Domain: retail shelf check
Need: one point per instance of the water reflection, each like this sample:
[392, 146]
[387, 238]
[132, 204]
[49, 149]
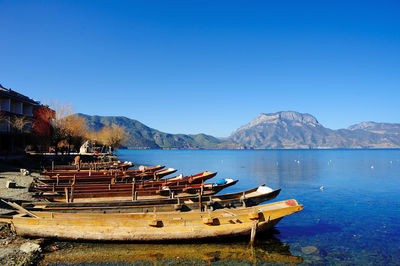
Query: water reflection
[352, 220]
[275, 167]
[280, 168]
[267, 249]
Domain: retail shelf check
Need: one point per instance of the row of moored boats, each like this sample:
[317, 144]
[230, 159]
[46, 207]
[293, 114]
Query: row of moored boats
[109, 201]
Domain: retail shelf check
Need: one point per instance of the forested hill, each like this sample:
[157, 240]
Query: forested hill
[144, 137]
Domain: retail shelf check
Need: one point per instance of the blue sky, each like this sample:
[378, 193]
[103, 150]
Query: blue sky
[206, 66]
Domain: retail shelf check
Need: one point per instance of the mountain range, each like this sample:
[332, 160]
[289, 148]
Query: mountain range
[281, 130]
[293, 130]
[144, 137]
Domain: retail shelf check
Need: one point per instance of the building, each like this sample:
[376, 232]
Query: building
[14, 105]
[23, 123]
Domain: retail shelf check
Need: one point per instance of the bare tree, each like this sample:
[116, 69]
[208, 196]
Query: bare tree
[68, 128]
[110, 136]
[19, 123]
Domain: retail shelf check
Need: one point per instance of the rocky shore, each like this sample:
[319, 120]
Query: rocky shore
[15, 177]
[14, 184]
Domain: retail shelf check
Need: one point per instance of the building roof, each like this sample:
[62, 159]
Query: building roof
[15, 95]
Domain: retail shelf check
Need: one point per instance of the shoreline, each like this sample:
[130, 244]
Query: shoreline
[16, 250]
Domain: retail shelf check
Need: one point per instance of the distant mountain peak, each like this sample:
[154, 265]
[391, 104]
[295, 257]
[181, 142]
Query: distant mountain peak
[379, 128]
[279, 117]
[296, 116]
[363, 125]
[294, 130]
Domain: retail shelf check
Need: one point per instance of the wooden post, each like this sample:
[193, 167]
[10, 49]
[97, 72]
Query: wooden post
[253, 233]
[201, 194]
[133, 189]
[72, 194]
[66, 195]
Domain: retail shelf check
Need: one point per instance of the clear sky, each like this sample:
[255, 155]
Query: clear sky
[206, 66]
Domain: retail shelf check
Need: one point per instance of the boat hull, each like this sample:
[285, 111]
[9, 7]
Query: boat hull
[154, 226]
[246, 198]
[126, 194]
[40, 186]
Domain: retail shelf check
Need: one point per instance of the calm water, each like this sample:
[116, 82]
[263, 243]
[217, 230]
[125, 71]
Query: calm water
[351, 209]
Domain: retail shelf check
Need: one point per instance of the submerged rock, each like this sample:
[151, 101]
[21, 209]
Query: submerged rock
[310, 250]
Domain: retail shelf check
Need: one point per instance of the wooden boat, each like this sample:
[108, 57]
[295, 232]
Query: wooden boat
[93, 172]
[43, 184]
[133, 192]
[93, 165]
[108, 177]
[248, 198]
[152, 226]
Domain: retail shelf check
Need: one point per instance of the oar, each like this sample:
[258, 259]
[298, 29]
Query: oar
[20, 209]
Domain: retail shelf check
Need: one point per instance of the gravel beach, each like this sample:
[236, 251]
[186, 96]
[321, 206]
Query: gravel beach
[20, 192]
[15, 250]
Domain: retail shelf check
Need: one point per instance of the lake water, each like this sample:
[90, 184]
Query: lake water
[351, 209]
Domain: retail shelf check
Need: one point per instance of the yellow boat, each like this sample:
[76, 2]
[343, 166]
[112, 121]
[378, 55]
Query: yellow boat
[152, 226]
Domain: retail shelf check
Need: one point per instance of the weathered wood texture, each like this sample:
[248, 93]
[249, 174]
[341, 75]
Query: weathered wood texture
[248, 198]
[154, 226]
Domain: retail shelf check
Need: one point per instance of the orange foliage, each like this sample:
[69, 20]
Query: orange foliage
[109, 136]
[43, 118]
[73, 126]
